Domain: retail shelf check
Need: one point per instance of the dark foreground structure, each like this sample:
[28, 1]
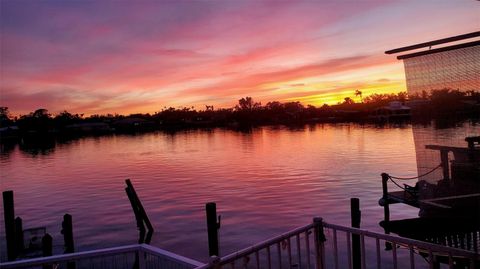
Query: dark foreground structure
[447, 192]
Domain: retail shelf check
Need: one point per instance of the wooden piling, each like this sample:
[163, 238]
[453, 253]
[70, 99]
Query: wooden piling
[355, 215]
[47, 248]
[9, 217]
[140, 215]
[19, 235]
[67, 231]
[141, 209]
[212, 228]
[386, 206]
[320, 238]
[138, 218]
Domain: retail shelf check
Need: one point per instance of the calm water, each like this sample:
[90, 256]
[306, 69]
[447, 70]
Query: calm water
[264, 182]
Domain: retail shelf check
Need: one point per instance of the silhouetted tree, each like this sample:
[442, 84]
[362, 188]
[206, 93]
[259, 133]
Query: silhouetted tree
[359, 93]
[66, 118]
[5, 117]
[348, 101]
[247, 103]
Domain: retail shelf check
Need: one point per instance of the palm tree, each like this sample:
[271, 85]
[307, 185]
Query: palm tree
[359, 93]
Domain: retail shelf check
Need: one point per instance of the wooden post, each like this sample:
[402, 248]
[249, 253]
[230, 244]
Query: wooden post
[355, 215]
[140, 214]
[19, 235]
[138, 218]
[319, 240]
[386, 207]
[444, 160]
[212, 228]
[67, 231]
[9, 217]
[385, 178]
[47, 248]
[384, 201]
[141, 210]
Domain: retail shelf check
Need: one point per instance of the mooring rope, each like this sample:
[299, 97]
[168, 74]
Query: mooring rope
[409, 178]
[403, 188]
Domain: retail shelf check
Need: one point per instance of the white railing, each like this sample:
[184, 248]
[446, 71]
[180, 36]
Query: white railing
[298, 248]
[399, 252]
[132, 256]
[322, 245]
[318, 245]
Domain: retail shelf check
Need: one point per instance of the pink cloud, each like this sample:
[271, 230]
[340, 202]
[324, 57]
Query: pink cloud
[178, 52]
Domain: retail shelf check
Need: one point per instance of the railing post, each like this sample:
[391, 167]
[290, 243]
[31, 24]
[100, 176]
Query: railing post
[212, 229]
[319, 240]
[355, 215]
[214, 262]
[141, 259]
[9, 217]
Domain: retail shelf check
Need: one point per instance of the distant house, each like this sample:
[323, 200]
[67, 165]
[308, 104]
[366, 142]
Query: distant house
[133, 124]
[395, 110]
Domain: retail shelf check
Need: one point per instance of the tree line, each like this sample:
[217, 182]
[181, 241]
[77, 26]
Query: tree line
[247, 112]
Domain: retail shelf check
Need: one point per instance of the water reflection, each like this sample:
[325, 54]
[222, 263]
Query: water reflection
[265, 181]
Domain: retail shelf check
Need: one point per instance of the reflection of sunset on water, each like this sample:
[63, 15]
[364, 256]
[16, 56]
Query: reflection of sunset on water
[257, 178]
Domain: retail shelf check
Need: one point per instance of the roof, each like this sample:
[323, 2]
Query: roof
[443, 41]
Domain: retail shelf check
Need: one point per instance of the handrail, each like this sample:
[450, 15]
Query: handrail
[71, 256]
[170, 255]
[402, 240]
[101, 253]
[249, 250]
[430, 248]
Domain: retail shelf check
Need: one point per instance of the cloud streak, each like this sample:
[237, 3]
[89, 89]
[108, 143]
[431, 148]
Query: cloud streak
[118, 57]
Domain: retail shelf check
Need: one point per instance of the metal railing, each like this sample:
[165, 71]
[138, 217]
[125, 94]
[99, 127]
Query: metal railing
[323, 245]
[318, 245]
[131, 256]
[398, 252]
[298, 248]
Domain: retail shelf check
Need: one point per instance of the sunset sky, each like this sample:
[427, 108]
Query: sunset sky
[98, 57]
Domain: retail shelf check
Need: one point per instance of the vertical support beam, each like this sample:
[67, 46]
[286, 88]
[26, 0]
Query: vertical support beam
[19, 235]
[9, 217]
[355, 215]
[67, 231]
[212, 229]
[444, 160]
[319, 243]
[47, 248]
